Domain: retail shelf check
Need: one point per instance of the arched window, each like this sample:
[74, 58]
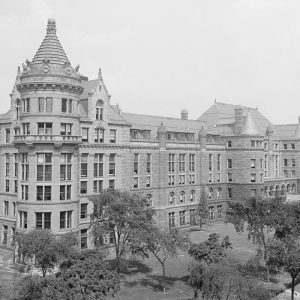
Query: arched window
[288, 188]
[266, 191]
[149, 200]
[219, 193]
[192, 196]
[293, 188]
[182, 197]
[171, 198]
[283, 190]
[210, 193]
[271, 191]
[99, 110]
[18, 108]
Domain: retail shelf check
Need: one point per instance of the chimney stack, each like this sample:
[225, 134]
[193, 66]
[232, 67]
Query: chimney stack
[184, 114]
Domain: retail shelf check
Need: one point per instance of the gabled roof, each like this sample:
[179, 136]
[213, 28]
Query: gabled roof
[88, 86]
[223, 114]
[153, 122]
[115, 117]
[51, 48]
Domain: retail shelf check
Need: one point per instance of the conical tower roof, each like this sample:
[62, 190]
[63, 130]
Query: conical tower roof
[249, 126]
[51, 48]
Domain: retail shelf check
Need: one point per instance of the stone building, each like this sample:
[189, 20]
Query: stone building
[62, 140]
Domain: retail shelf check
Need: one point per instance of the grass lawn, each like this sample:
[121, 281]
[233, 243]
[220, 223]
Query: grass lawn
[144, 277]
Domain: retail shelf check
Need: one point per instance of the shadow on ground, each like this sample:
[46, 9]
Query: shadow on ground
[156, 282]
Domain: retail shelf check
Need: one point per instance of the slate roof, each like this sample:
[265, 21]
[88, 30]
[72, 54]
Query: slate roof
[88, 86]
[140, 121]
[288, 131]
[115, 117]
[222, 115]
[51, 48]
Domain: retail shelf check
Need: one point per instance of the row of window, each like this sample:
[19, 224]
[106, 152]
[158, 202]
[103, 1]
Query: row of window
[136, 168]
[182, 197]
[182, 163]
[183, 217]
[181, 179]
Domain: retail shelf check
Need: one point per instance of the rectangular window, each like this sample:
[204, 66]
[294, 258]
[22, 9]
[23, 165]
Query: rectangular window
[66, 105]
[112, 164]
[252, 163]
[65, 192]
[44, 166]
[15, 186]
[171, 162]
[293, 162]
[220, 211]
[136, 163]
[172, 219]
[253, 194]
[111, 184]
[293, 146]
[219, 162]
[229, 177]
[85, 135]
[171, 179]
[26, 128]
[6, 208]
[293, 173]
[182, 217]
[285, 146]
[84, 165]
[26, 105]
[7, 185]
[83, 187]
[285, 162]
[83, 238]
[210, 177]
[65, 129]
[148, 163]
[191, 178]
[45, 128]
[210, 162]
[112, 135]
[135, 182]
[65, 166]
[98, 186]
[98, 165]
[24, 189]
[99, 113]
[45, 104]
[229, 193]
[253, 177]
[192, 163]
[181, 179]
[25, 166]
[148, 181]
[65, 219]
[229, 144]
[285, 173]
[23, 219]
[229, 163]
[99, 136]
[211, 213]
[252, 143]
[43, 220]
[16, 162]
[7, 164]
[218, 177]
[7, 136]
[83, 211]
[181, 162]
[43, 193]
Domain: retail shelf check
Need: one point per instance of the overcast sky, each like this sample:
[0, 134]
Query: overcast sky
[159, 56]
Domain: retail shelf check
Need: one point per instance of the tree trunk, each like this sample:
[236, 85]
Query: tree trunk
[163, 269]
[293, 287]
[268, 273]
[195, 294]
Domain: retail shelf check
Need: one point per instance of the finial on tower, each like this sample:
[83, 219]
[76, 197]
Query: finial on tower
[51, 27]
[100, 74]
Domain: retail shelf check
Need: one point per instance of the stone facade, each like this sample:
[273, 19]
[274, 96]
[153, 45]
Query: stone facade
[62, 141]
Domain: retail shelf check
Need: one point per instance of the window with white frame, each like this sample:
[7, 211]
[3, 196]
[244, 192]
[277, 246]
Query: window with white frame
[43, 220]
[65, 166]
[43, 193]
[98, 164]
[66, 105]
[44, 166]
[65, 219]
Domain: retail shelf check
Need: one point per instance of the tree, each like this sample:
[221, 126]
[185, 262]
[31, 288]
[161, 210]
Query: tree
[42, 247]
[122, 215]
[259, 217]
[285, 255]
[84, 276]
[213, 250]
[162, 243]
[210, 251]
[201, 212]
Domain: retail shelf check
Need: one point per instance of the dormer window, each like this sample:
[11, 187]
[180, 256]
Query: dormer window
[99, 110]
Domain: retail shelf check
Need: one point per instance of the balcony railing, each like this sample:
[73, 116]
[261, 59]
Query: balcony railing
[47, 138]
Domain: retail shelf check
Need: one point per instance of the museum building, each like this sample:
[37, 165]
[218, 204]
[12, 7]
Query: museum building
[62, 141]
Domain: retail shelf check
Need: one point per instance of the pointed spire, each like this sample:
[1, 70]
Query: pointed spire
[249, 127]
[100, 74]
[51, 50]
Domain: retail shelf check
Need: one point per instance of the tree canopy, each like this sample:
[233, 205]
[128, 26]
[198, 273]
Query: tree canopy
[121, 215]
